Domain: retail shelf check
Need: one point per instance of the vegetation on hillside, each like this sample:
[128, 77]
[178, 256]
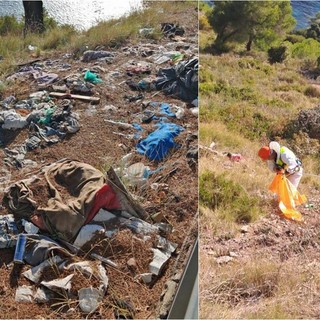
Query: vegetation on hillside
[249, 98]
[111, 33]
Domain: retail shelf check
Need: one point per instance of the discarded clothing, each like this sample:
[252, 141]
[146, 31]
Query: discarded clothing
[180, 81]
[8, 230]
[288, 197]
[157, 145]
[39, 248]
[15, 157]
[12, 120]
[44, 79]
[7, 102]
[94, 55]
[71, 188]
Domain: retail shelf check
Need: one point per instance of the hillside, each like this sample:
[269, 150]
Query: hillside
[109, 118]
[253, 262]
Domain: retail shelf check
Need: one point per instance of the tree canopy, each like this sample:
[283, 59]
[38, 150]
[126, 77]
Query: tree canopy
[259, 22]
[314, 30]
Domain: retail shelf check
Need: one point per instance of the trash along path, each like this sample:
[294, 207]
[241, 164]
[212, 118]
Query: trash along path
[99, 179]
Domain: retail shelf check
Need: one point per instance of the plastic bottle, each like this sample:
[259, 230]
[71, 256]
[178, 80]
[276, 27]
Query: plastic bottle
[20, 248]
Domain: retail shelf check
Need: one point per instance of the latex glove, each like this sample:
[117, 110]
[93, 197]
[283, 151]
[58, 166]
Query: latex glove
[279, 171]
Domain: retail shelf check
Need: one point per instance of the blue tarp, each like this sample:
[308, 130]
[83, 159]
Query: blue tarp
[158, 143]
[165, 109]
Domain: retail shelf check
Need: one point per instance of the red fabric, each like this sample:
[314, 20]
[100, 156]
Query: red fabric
[105, 198]
[264, 153]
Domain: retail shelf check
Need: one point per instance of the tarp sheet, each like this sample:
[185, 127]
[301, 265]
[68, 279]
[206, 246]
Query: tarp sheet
[75, 191]
[159, 142]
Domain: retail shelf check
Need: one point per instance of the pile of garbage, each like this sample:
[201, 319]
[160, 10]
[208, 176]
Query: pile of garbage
[53, 232]
[74, 225]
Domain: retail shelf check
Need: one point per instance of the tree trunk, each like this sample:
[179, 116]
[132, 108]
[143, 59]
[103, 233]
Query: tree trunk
[33, 17]
[248, 46]
[249, 43]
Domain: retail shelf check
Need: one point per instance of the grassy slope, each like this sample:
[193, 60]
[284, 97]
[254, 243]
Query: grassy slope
[245, 102]
[114, 33]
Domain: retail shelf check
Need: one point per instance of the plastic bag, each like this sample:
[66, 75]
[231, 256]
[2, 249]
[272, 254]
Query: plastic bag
[92, 77]
[288, 197]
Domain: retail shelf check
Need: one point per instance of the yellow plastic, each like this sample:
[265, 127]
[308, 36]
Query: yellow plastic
[288, 197]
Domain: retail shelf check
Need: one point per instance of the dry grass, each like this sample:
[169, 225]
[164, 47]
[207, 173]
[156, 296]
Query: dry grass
[246, 103]
[259, 289]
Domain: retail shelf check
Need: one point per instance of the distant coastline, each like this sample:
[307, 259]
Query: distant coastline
[81, 14]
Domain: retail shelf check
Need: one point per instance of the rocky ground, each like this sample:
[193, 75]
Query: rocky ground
[268, 269]
[102, 144]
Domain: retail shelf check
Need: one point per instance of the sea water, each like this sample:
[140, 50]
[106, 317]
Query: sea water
[82, 14]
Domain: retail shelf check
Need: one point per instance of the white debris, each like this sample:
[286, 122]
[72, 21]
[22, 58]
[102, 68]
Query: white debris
[24, 294]
[224, 259]
[89, 299]
[43, 295]
[86, 233]
[159, 260]
[145, 277]
[35, 273]
[64, 283]
[29, 227]
[103, 216]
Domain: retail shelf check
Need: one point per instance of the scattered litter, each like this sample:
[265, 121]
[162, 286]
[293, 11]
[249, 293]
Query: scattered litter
[158, 144]
[158, 262]
[92, 77]
[11, 120]
[24, 294]
[235, 157]
[43, 295]
[56, 285]
[146, 31]
[94, 55]
[109, 108]
[223, 259]
[171, 29]
[20, 249]
[8, 231]
[103, 216]
[180, 80]
[89, 299]
[195, 111]
[35, 273]
[145, 277]
[86, 233]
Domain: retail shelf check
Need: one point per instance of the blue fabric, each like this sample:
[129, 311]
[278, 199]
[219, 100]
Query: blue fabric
[159, 142]
[137, 126]
[165, 109]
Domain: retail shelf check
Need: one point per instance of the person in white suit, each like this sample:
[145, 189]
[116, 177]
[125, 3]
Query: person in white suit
[283, 161]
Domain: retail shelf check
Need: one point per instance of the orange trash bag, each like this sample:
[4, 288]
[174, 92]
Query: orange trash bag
[288, 197]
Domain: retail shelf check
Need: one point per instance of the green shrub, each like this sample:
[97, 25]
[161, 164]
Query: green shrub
[216, 191]
[204, 23]
[10, 25]
[277, 54]
[206, 87]
[312, 92]
[294, 38]
[309, 48]
[58, 37]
